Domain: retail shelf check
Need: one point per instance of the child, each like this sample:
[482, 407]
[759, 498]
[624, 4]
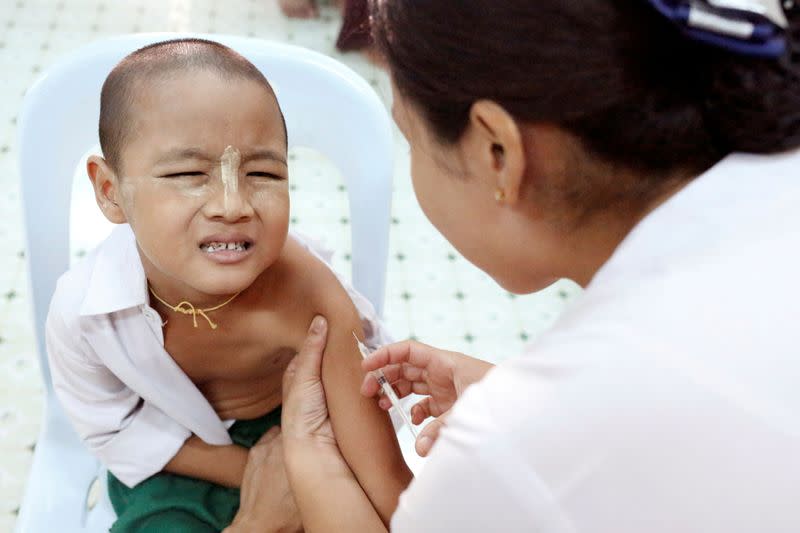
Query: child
[168, 343]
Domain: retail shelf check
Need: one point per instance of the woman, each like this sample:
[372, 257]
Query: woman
[650, 156]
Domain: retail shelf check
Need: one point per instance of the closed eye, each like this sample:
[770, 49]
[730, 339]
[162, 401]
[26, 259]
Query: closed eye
[182, 174]
[265, 175]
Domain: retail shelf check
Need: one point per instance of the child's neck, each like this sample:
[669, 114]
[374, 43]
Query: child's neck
[167, 293]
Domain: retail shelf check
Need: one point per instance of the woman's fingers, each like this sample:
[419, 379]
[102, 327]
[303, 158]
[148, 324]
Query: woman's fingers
[398, 371]
[420, 387]
[304, 415]
[427, 437]
[307, 364]
[412, 352]
[370, 386]
[310, 360]
[402, 387]
[396, 374]
[420, 411]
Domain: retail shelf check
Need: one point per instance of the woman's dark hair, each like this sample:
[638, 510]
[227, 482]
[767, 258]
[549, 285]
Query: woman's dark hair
[614, 73]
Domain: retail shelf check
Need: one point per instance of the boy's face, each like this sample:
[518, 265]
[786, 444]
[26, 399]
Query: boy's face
[204, 183]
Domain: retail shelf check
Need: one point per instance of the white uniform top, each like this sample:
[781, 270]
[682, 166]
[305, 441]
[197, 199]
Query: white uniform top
[127, 398]
[666, 401]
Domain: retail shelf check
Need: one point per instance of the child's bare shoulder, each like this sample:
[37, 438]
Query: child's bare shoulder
[318, 287]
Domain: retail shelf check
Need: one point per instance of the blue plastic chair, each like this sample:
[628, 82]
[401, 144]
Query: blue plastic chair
[328, 108]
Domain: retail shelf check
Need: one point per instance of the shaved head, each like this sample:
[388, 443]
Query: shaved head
[152, 64]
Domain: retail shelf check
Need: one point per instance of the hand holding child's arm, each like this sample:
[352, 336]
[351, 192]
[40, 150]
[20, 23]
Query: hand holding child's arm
[327, 492]
[364, 433]
[266, 501]
[223, 465]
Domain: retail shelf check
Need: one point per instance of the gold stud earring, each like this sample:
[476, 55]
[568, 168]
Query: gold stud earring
[499, 194]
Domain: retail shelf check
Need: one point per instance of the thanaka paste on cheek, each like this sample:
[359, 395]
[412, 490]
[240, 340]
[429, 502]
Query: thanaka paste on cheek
[229, 163]
[195, 190]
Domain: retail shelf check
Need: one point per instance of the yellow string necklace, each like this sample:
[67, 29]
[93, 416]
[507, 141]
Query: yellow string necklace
[187, 308]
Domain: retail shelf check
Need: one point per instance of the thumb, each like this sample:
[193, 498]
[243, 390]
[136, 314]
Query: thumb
[427, 437]
[308, 362]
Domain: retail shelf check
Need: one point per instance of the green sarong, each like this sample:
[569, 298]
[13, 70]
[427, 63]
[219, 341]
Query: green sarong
[169, 503]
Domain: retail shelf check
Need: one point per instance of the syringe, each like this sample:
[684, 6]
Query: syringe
[386, 387]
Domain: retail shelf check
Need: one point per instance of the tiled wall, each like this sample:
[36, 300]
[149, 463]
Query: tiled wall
[433, 294]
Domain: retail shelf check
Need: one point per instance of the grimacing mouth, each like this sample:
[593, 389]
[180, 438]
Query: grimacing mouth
[220, 246]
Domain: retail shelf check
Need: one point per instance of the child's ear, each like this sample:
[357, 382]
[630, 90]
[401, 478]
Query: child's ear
[106, 189]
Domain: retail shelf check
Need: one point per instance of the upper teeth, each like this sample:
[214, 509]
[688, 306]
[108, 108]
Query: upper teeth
[220, 246]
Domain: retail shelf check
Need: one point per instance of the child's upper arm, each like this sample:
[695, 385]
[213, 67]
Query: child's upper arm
[363, 431]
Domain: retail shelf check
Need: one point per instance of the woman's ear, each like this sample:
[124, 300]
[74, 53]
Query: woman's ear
[106, 189]
[496, 150]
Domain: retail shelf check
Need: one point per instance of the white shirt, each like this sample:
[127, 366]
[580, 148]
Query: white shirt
[126, 397]
[666, 401]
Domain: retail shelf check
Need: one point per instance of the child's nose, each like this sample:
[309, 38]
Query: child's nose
[229, 202]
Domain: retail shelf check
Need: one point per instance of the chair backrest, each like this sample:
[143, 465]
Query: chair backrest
[327, 107]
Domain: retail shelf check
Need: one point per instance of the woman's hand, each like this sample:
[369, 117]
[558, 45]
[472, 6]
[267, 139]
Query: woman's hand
[412, 367]
[304, 415]
[327, 492]
[266, 500]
